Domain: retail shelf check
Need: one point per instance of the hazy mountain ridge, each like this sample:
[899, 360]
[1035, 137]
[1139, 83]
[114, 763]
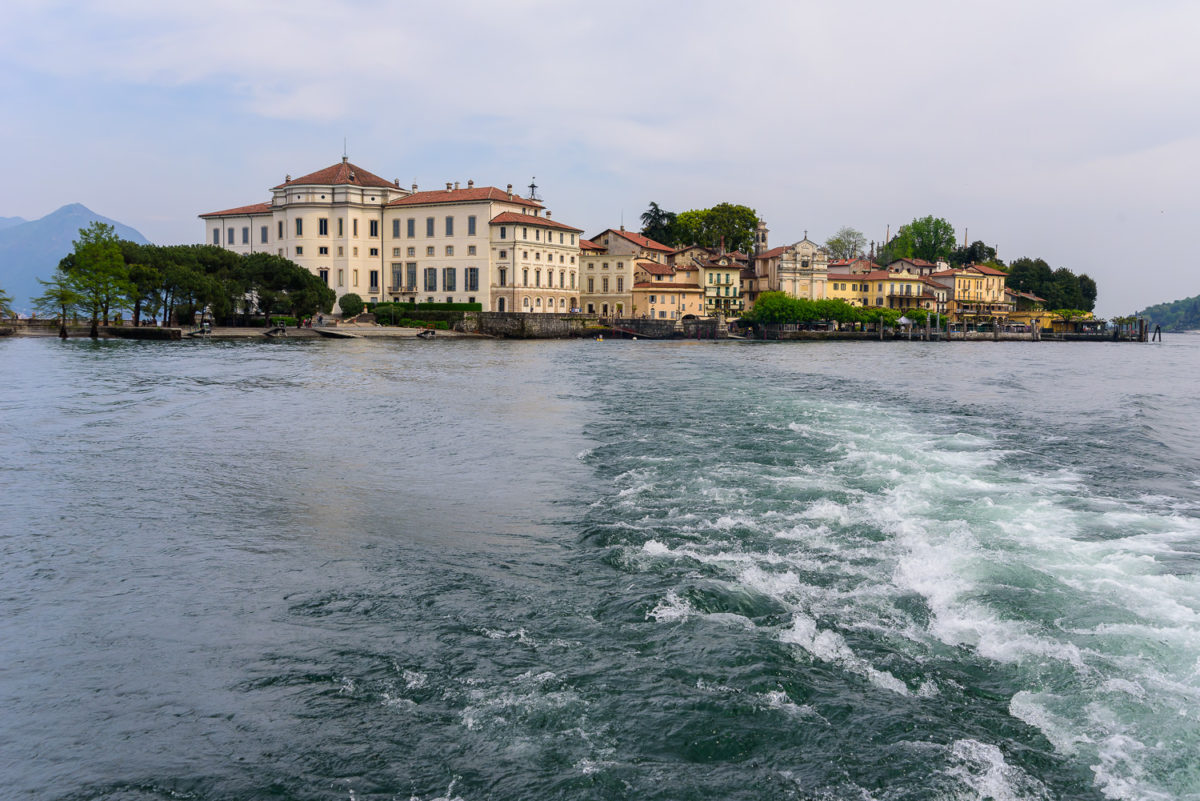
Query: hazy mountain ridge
[1178, 315]
[31, 249]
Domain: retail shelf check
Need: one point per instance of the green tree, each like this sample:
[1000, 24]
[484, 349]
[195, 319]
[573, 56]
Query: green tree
[691, 228]
[847, 243]
[352, 305]
[5, 304]
[734, 225]
[659, 224]
[929, 238]
[97, 272]
[1087, 292]
[58, 299]
[975, 253]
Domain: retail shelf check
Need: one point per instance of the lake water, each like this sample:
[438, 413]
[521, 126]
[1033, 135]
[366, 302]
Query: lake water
[602, 570]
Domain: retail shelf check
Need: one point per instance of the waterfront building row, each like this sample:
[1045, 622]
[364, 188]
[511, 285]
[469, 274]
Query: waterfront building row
[366, 235]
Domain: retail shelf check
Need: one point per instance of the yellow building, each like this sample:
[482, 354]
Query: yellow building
[882, 289]
[976, 293]
[720, 277]
[663, 293]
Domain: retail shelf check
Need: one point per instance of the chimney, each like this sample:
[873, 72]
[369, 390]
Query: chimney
[448, 184]
[510, 191]
[456, 184]
[470, 183]
[414, 187]
[622, 226]
[547, 214]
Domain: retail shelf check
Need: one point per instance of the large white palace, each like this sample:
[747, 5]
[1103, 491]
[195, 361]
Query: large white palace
[368, 236]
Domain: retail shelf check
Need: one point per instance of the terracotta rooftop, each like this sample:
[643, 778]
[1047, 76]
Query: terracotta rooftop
[637, 239]
[983, 268]
[773, 253]
[513, 218]
[474, 193]
[341, 173]
[253, 208]
[654, 268]
[587, 244]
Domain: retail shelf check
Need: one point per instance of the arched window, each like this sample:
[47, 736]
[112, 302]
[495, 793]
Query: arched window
[562, 303]
[525, 302]
[538, 303]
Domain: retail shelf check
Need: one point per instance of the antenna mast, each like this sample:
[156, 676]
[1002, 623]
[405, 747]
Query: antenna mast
[533, 195]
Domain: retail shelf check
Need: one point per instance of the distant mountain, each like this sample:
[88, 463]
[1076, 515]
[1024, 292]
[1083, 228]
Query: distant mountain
[1180, 315]
[30, 250]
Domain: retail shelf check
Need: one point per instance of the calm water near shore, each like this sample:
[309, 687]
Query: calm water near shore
[613, 570]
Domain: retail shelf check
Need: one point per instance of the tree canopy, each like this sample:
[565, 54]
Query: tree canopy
[929, 238]
[1179, 315]
[847, 243]
[104, 275]
[1061, 288]
[725, 222]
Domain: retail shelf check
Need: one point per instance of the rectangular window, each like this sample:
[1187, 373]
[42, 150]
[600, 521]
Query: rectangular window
[504, 254]
[503, 232]
[299, 250]
[323, 226]
[354, 226]
[429, 250]
[245, 235]
[341, 226]
[374, 251]
[429, 226]
[374, 280]
[395, 253]
[470, 250]
[410, 274]
[397, 269]
[354, 278]
[322, 251]
[412, 252]
[449, 226]
[503, 278]
[620, 283]
[591, 284]
[229, 236]
[472, 279]
[353, 251]
[341, 250]
[299, 226]
[341, 277]
[431, 278]
[471, 225]
[604, 284]
[537, 277]
[216, 236]
[395, 229]
[280, 227]
[324, 273]
[449, 279]
[412, 227]
[449, 250]
[373, 227]
[263, 234]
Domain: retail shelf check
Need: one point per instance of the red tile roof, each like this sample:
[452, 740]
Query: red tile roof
[587, 244]
[654, 268]
[241, 211]
[637, 239]
[983, 268]
[916, 262]
[513, 218]
[475, 193]
[338, 174]
[772, 253]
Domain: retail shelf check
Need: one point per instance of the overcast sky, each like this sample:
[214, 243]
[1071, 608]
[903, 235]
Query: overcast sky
[1066, 130]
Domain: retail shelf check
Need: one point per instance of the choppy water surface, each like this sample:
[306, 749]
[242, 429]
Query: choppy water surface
[626, 570]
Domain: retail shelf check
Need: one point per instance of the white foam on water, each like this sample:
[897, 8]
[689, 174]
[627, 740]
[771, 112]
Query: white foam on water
[671, 609]
[829, 646]
[983, 771]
